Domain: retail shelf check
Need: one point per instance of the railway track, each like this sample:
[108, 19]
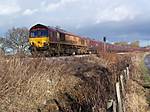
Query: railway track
[63, 57]
[45, 59]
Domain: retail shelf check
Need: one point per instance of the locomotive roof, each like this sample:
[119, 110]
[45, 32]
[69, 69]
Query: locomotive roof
[52, 28]
[39, 26]
[59, 30]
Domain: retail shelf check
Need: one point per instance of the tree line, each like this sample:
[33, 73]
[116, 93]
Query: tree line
[15, 41]
[132, 44]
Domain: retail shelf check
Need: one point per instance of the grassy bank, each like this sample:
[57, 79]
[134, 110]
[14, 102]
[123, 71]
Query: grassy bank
[146, 79]
[146, 73]
[137, 96]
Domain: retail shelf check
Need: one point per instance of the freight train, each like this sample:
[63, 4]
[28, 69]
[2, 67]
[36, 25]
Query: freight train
[53, 41]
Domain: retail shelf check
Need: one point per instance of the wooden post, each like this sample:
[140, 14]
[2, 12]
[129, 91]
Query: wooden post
[105, 50]
[109, 104]
[104, 46]
[125, 74]
[122, 85]
[128, 73]
[119, 97]
[114, 106]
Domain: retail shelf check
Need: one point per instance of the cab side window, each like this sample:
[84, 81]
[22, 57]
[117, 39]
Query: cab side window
[44, 33]
[62, 37]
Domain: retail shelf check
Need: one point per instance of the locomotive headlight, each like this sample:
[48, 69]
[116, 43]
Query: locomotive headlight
[45, 43]
[32, 43]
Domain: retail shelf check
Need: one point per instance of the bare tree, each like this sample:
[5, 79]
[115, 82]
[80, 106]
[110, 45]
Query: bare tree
[17, 40]
[2, 49]
[135, 44]
[121, 43]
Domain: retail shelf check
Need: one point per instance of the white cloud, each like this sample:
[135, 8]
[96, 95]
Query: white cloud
[61, 3]
[52, 7]
[7, 8]
[116, 14]
[30, 11]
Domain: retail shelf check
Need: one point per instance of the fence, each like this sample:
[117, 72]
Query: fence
[117, 105]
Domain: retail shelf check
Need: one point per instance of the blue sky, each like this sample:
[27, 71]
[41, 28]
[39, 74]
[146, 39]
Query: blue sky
[119, 20]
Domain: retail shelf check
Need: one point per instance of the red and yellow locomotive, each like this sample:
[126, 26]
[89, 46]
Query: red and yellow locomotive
[55, 41]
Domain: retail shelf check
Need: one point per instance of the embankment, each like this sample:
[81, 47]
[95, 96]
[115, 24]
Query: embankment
[70, 85]
[77, 84]
[136, 98]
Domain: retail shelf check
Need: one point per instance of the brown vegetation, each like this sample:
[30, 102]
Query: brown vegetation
[69, 85]
[135, 98]
[132, 44]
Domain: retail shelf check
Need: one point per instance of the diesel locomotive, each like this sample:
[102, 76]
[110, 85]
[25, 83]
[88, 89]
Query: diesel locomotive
[52, 41]
[55, 41]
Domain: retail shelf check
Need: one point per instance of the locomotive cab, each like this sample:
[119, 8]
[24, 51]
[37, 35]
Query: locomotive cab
[39, 37]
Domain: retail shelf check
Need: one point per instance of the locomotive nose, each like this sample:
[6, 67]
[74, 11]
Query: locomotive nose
[39, 42]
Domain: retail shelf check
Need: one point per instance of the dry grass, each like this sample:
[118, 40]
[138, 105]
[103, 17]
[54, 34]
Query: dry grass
[69, 85]
[27, 83]
[135, 98]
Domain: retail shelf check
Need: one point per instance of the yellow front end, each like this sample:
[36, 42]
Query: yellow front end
[39, 42]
